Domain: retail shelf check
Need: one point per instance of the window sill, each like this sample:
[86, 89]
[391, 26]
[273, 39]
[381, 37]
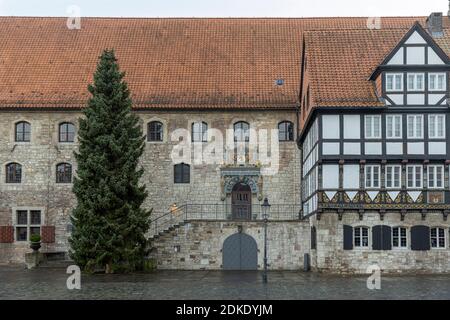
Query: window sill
[155, 142]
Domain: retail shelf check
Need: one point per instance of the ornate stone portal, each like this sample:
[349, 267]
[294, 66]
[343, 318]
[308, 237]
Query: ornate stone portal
[250, 176]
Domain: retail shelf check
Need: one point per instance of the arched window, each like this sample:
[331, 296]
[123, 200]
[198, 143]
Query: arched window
[182, 173]
[361, 237]
[13, 173]
[286, 131]
[64, 173]
[155, 131]
[241, 132]
[23, 132]
[199, 132]
[66, 132]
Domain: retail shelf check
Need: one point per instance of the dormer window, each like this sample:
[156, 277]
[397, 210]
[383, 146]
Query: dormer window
[394, 82]
[436, 81]
[416, 81]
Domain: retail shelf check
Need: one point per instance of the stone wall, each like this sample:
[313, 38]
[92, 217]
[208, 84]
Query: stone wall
[199, 244]
[205, 185]
[40, 157]
[331, 257]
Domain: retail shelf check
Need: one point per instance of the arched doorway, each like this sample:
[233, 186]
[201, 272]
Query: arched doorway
[240, 252]
[241, 202]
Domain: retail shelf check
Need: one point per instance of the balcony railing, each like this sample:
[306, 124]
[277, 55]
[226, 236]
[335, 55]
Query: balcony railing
[222, 212]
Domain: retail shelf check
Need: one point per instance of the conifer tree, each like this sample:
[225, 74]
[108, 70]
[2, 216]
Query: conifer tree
[109, 223]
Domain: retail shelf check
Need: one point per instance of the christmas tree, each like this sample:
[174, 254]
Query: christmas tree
[109, 223]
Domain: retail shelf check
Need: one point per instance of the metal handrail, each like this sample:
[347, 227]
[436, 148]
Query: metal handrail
[219, 212]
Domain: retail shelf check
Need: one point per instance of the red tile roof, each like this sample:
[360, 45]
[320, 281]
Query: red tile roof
[188, 63]
[340, 64]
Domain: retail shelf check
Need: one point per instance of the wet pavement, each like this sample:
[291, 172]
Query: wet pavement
[19, 283]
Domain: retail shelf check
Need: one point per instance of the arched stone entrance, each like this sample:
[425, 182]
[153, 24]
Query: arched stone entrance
[240, 252]
[241, 202]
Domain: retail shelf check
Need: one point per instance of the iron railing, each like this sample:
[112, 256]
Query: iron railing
[220, 212]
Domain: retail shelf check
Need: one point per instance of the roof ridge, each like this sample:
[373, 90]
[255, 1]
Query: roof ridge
[215, 18]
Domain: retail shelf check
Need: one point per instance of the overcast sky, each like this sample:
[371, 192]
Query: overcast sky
[224, 8]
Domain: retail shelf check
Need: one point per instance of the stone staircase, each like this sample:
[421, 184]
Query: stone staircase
[167, 231]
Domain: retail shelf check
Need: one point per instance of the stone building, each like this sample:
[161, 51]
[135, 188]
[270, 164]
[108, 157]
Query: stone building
[228, 107]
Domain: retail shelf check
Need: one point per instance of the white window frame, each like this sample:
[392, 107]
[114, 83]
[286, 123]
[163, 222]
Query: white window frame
[414, 173]
[393, 167]
[361, 237]
[433, 133]
[29, 225]
[436, 76]
[369, 169]
[415, 77]
[400, 237]
[433, 169]
[438, 237]
[397, 120]
[394, 82]
[415, 126]
[370, 134]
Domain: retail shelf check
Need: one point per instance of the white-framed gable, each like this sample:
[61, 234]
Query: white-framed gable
[398, 57]
[415, 38]
[416, 48]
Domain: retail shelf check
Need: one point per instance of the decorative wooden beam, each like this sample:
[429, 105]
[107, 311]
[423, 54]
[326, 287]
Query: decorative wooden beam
[361, 214]
[382, 213]
[424, 214]
[340, 214]
[319, 215]
[403, 214]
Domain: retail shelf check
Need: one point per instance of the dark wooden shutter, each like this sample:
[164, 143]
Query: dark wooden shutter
[381, 238]
[313, 238]
[386, 240]
[6, 234]
[377, 238]
[48, 234]
[186, 173]
[178, 172]
[420, 238]
[348, 237]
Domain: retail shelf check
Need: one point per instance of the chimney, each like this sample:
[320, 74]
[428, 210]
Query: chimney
[434, 24]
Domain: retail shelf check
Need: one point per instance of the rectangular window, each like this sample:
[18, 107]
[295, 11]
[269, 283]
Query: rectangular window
[373, 127]
[372, 176]
[361, 237]
[399, 238]
[393, 176]
[394, 82]
[437, 81]
[437, 237]
[435, 177]
[414, 176]
[415, 126]
[394, 126]
[436, 126]
[416, 81]
[28, 222]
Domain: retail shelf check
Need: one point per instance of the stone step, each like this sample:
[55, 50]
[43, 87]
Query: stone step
[57, 264]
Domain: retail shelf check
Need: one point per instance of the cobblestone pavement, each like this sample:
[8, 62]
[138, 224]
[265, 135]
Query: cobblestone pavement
[18, 283]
